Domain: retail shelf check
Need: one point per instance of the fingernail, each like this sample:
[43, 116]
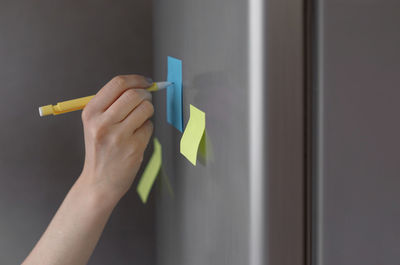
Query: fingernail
[149, 80]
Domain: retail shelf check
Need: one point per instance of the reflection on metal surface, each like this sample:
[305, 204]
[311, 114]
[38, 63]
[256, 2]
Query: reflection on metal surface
[257, 133]
[206, 154]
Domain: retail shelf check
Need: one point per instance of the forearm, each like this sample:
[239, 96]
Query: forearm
[75, 229]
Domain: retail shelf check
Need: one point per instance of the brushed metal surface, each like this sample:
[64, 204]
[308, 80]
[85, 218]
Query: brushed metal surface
[217, 208]
[357, 182]
[206, 222]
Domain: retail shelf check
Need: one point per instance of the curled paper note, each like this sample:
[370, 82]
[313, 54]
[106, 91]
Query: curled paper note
[150, 172]
[193, 134]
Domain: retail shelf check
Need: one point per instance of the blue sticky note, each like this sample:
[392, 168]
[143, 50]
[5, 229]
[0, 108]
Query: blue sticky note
[174, 93]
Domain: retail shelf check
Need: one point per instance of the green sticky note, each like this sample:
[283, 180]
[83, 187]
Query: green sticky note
[193, 134]
[150, 172]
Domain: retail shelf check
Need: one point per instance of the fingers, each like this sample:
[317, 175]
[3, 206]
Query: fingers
[129, 100]
[138, 116]
[113, 90]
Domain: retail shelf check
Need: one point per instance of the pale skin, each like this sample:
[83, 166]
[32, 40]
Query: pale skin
[117, 130]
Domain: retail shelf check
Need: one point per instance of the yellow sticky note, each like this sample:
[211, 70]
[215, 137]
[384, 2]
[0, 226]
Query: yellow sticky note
[150, 172]
[193, 134]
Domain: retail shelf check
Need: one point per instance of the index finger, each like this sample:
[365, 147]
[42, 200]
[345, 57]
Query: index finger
[113, 89]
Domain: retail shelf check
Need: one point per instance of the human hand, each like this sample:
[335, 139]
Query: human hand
[117, 130]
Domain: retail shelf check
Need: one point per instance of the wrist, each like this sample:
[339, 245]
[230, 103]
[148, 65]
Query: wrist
[97, 196]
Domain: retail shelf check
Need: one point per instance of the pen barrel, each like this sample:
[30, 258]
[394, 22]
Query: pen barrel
[71, 105]
[80, 103]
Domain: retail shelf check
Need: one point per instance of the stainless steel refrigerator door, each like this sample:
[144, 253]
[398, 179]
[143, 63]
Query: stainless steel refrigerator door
[243, 66]
[357, 163]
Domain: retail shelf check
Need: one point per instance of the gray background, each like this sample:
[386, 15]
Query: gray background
[51, 51]
[357, 91]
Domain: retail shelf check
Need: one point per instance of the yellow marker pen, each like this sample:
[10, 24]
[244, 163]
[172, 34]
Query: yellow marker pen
[80, 103]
